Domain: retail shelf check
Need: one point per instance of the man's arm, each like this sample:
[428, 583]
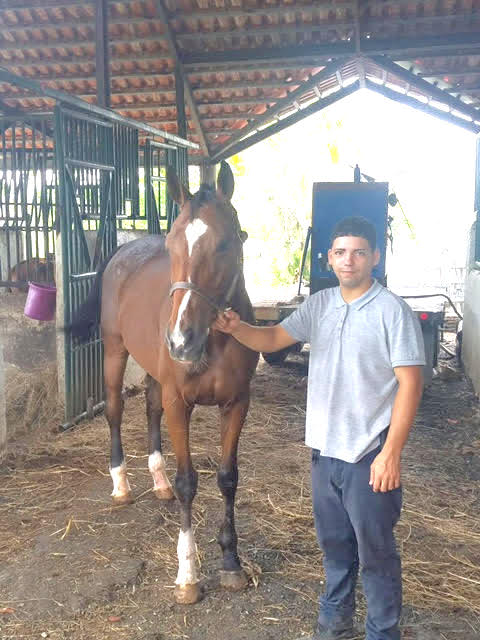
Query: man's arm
[265, 339]
[385, 469]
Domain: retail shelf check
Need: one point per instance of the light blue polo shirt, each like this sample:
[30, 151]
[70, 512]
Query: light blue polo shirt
[353, 350]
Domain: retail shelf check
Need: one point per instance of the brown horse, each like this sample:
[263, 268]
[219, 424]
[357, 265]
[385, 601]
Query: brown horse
[159, 299]
[35, 269]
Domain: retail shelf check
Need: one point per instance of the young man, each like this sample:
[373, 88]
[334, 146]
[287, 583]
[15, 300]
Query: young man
[364, 386]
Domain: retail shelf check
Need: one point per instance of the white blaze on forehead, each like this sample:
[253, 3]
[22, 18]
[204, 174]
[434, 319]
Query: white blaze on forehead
[177, 336]
[156, 466]
[193, 232]
[186, 551]
[120, 481]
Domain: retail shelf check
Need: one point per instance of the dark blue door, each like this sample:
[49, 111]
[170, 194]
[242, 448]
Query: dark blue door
[333, 201]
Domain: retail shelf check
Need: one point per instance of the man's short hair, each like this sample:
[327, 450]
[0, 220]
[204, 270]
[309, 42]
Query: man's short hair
[358, 227]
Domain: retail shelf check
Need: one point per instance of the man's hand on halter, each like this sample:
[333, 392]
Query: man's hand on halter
[228, 321]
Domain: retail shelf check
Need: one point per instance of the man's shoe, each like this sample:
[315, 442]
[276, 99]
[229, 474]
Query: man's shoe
[330, 634]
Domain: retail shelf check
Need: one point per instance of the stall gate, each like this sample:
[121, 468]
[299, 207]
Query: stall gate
[101, 197]
[28, 200]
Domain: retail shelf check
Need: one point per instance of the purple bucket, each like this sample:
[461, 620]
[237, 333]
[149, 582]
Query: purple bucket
[41, 301]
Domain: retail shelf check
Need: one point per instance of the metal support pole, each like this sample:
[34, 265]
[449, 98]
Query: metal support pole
[477, 201]
[102, 53]
[477, 178]
[182, 156]
[207, 174]
[3, 404]
[180, 100]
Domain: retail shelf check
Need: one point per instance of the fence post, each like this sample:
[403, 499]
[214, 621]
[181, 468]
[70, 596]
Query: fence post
[60, 321]
[3, 405]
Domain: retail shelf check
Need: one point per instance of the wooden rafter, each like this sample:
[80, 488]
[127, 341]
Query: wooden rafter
[284, 103]
[420, 106]
[426, 87]
[228, 150]
[397, 48]
[172, 46]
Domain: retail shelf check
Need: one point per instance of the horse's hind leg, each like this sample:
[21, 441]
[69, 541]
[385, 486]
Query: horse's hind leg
[232, 576]
[115, 361]
[156, 463]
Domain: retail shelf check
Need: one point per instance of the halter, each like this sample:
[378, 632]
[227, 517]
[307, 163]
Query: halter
[219, 306]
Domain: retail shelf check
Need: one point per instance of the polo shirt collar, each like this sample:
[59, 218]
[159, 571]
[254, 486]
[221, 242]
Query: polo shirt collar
[359, 302]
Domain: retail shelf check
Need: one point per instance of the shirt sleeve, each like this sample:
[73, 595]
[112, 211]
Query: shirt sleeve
[299, 323]
[406, 340]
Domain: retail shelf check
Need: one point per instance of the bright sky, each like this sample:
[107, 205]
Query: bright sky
[428, 163]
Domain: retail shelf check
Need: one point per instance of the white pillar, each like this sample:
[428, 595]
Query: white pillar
[208, 174]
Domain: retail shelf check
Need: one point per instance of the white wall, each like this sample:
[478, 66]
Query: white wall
[471, 318]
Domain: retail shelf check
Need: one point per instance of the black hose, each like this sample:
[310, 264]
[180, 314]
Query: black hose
[438, 295]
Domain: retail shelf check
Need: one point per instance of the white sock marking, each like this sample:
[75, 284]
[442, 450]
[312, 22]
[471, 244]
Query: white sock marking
[120, 481]
[193, 232]
[186, 551]
[156, 466]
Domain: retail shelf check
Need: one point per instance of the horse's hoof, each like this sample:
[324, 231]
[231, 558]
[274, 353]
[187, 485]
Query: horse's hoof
[164, 494]
[187, 593]
[126, 498]
[233, 580]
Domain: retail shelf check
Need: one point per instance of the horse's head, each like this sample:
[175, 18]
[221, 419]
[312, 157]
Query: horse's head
[205, 246]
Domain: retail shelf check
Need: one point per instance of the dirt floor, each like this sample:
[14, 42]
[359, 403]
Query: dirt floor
[72, 566]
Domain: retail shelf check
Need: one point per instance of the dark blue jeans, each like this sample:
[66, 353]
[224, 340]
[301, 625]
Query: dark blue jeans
[355, 527]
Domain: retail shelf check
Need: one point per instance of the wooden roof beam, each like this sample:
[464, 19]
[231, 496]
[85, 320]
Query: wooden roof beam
[425, 87]
[237, 12]
[172, 46]
[397, 48]
[420, 106]
[145, 106]
[284, 103]
[68, 43]
[57, 59]
[206, 13]
[272, 30]
[229, 150]
[452, 72]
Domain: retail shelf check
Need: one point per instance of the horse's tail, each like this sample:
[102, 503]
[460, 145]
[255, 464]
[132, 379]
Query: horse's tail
[87, 317]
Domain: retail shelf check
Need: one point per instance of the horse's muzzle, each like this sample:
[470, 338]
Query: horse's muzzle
[190, 349]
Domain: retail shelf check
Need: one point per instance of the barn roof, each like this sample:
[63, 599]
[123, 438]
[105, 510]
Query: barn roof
[250, 67]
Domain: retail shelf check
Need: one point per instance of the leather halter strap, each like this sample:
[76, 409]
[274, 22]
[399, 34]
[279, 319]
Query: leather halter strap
[219, 306]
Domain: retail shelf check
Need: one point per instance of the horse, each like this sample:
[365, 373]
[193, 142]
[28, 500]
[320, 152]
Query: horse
[36, 269]
[158, 298]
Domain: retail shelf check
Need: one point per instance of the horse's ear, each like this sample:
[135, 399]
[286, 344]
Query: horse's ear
[176, 190]
[225, 181]
[243, 235]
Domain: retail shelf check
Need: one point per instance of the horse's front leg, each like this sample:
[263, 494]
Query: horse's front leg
[156, 463]
[187, 590]
[232, 576]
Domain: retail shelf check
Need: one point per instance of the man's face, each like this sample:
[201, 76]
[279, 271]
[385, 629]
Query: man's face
[352, 261]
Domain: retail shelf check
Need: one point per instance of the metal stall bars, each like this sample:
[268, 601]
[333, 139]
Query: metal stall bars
[99, 178]
[160, 209]
[28, 198]
[86, 163]
[95, 165]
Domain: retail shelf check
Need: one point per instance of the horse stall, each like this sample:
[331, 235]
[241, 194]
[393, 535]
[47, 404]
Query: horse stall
[28, 217]
[74, 184]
